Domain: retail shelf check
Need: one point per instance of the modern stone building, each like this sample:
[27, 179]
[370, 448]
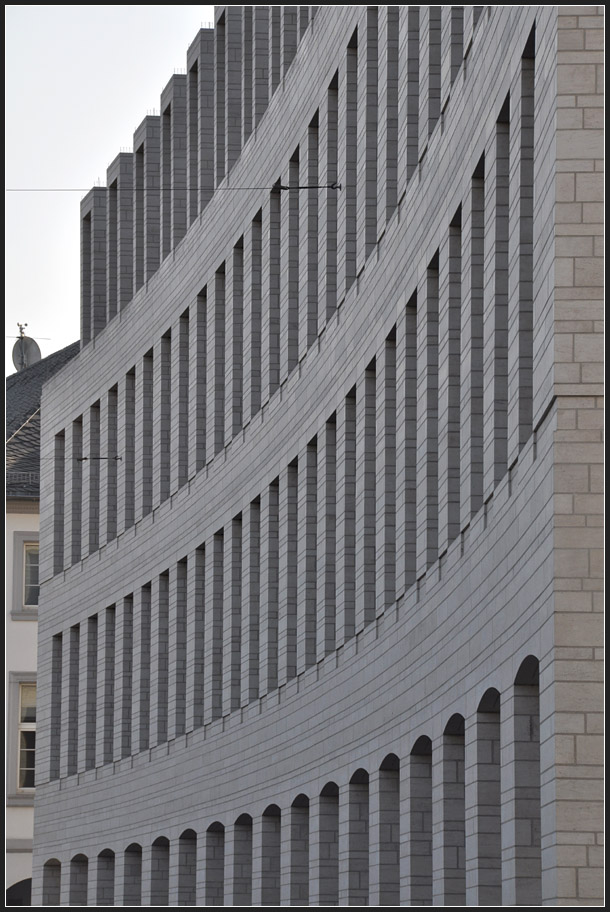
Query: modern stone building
[321, 575]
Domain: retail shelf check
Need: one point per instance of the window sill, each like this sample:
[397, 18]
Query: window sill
[24, 614]
[20, 800]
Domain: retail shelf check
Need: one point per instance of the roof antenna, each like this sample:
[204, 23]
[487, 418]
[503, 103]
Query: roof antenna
[25, 350]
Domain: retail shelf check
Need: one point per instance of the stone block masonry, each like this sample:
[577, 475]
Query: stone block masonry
[321, 535]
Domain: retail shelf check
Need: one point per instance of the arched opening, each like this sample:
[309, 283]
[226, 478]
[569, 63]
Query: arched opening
[358, 839]
[79, 875]
[159, 875]
[299, 851]
[132, 875]
[51, 883]
[385, 835]
[451, 889]
[486, 874]
[526, 746]
[242, 861]
[104, 893]
[20, 894]
[324, 848]
[215, 864]
[420, 822]
[271, 836]
[187, 868]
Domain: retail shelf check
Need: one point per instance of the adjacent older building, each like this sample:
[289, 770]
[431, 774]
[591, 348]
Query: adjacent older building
[22, 490]
[320, 532]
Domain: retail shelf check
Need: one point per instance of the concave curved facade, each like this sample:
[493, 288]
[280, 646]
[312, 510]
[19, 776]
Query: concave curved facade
[321, 575]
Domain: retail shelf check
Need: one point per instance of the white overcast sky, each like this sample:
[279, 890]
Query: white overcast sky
[79, 80]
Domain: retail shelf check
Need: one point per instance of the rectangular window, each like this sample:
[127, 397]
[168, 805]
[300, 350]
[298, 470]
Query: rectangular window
[30, 575]
[27, 733]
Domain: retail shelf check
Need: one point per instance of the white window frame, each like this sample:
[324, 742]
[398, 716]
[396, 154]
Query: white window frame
[30, 546]
[19, 611]
[24, 727]
[14, 795]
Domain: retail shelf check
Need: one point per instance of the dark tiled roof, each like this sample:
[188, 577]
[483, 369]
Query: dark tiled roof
[23, 394]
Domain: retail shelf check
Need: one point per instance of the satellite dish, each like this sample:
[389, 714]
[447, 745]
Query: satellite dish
[25, 352]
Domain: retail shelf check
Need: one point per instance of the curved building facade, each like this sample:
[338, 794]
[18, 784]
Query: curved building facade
[320, 531]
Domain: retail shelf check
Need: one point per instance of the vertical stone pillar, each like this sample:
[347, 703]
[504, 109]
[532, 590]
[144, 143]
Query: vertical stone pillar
[482, 804]
[250, 589]
[144, 436]
[288, 569]
[347, 132]
[354, 841]
[471, 334]
[195, 638]
[197, 372]
[495, 311]
[176, 649]
[91, 481]
[252, 293]
[326, 536]
[384, 866]
[289, 277]
[247, 75]
[450, 275]
[520, 784]
[234, 343]
[416, 853]
[307, 556]
[109, 466]
[520, 258]
[430, 73]
[147, 200]
[408, 96]
[367, 138]
[452, 48]
[233, 83]
[327, 205]
[232, 617]
[289, 24]
[213, 637]
[215, 361]
[123, 678]
[126, 450]
[346, 519]
[275, 48]
[179, 399]
[308, 230]
[387, 138]
[93, 263]
[323, 847]
[87, 688]
[406, 445]
[173, 167]
[159, 615]
[269, 568]
[366, 493]
[162, 386]
[106, 637]
[448, 816]
[427, 421]
[119, 234]
[260, 62]
[74, 493]
[238, 862]
[385, 476]
[140, 703]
